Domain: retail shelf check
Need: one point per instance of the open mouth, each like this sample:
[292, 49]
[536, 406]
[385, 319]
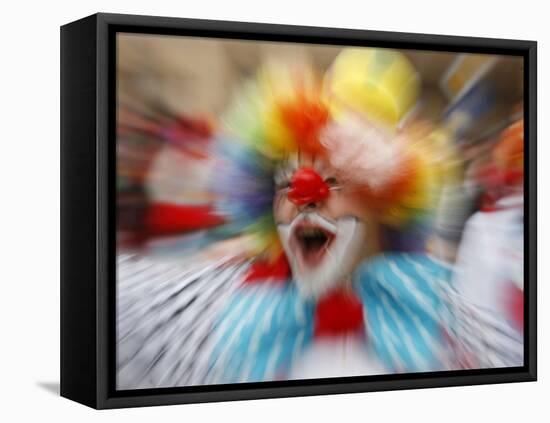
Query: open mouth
[311, 242]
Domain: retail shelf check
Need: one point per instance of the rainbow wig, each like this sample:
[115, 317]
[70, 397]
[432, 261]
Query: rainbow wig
[353, 116]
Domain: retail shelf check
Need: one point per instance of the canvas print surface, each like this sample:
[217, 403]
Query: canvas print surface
[295, 211]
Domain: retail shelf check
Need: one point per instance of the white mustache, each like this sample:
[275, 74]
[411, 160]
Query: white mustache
[312, 218]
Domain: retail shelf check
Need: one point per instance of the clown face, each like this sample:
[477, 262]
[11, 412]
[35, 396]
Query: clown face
[326, 227]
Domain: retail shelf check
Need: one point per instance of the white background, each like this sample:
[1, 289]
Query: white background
[29, 166]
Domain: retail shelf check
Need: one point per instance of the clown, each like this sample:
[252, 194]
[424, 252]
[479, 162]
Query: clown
[332, 170]
[311, 175]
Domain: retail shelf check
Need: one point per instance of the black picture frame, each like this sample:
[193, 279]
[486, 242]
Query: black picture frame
[88, 60]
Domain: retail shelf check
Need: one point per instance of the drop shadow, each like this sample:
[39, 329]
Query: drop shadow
[51, 387]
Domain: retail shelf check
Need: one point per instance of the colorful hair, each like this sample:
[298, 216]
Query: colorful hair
[353, 116]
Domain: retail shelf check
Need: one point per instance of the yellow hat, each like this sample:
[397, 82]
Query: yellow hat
[380, 83]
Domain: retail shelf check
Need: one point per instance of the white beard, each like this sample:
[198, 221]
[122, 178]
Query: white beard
[339, 260]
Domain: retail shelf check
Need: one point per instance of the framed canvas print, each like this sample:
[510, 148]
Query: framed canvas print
[256, 211]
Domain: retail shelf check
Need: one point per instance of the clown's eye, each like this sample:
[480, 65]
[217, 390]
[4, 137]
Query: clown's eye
[282, 185]
[331, 181]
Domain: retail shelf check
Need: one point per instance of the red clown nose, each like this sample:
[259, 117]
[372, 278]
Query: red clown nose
[306, 187]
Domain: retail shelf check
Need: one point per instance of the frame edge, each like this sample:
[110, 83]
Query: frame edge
[78, 210]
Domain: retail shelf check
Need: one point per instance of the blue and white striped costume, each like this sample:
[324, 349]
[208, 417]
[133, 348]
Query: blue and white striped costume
[197, 323]
[265, 328]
